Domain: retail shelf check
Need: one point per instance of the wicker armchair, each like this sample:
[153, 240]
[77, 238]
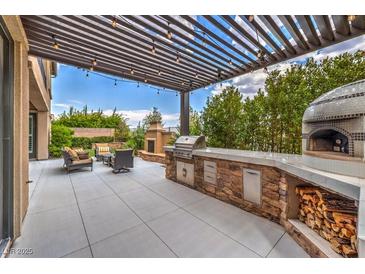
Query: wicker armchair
[72, 163]
[100, 150]
[122, 161]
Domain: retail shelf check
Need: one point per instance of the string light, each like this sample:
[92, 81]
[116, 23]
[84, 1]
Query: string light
[92, 68]
[55, 44]
[115, 83]
[351, 18]
[153, 49]
[196, 75]
[94, 62]
[176, 94]
[230, 62]
[132, 70]
[145, 79]
[159, 72]
[169, 33]
[114, 22]
[158, 92]
[177, 57]
[87, 74]
[137, 84]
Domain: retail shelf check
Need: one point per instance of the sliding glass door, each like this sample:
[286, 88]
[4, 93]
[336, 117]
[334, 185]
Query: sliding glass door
[6, 136]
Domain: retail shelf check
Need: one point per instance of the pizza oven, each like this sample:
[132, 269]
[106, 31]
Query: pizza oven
[333, 131]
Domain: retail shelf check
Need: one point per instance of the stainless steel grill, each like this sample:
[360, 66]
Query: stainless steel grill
[185, 145]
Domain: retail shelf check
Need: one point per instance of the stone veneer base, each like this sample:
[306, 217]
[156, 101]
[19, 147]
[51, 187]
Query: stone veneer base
[151, 157]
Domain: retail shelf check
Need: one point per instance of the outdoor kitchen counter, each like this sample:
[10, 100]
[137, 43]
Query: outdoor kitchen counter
[293, 164]
[352, 187]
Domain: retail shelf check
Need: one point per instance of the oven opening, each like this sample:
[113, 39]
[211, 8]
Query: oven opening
[329, 141]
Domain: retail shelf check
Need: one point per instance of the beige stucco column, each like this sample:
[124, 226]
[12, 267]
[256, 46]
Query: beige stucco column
[43, 125]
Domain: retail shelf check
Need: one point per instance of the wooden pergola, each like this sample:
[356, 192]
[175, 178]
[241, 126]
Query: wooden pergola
[183, 53]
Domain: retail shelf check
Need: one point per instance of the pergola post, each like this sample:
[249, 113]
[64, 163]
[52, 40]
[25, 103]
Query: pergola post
[184, 113]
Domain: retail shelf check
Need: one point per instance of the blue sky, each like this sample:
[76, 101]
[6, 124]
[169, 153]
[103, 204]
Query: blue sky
[71, 87]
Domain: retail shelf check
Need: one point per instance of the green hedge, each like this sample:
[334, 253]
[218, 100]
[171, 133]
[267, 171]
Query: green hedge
[61, 137]
[86, 142]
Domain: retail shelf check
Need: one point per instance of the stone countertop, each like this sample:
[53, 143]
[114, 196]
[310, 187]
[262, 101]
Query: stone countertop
[291, 163]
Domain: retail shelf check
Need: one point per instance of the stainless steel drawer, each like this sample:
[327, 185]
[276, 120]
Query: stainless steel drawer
[252, 186]
[185, 173]
[210, 166]
[210, 177]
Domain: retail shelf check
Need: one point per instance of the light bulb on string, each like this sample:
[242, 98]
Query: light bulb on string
[91, 68]
[196, 75]
[351, 18]
[115, 83]
[55, 44]
[230, 62]
[176, 94]
[94, 62]
[158, 92]
[87, 73]
[169, 33]
[137, 84]
[132, 71]
[177, 58]
[114, 22]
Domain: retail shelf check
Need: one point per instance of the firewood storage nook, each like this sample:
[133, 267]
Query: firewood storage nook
[320, 202]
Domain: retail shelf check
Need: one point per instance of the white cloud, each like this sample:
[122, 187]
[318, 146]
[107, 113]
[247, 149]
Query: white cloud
[61, 105]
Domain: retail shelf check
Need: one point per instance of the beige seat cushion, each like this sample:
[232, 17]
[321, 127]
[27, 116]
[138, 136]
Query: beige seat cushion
[81, 162]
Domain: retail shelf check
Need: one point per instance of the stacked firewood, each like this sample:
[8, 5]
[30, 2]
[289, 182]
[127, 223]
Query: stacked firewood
[332, 216]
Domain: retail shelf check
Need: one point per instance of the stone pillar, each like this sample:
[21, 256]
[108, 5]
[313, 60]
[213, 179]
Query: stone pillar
[184, 113]
[283, 198]
[42, 135]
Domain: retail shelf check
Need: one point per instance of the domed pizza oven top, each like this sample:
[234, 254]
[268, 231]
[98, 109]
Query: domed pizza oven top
[333, 131]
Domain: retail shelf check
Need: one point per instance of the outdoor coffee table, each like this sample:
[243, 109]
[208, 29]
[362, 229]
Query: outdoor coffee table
[107, 158]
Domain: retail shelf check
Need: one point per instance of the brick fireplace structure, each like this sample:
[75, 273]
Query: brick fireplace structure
[156, 137]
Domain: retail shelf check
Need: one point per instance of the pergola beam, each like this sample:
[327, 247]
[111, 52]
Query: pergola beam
[247, 35]
[292, 28]
[275, 29]
[324, 27]
[309, 29]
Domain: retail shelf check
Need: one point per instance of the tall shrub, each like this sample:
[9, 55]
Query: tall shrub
[222, 118]
[61, 136]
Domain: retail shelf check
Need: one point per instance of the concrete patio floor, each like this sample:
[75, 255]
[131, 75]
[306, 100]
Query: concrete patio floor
[138, 214]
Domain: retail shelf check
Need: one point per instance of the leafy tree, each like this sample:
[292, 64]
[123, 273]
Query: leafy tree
[222, 118]
[195, 122]
[122, 130]
[85, 119]
[153, 117]
[61, 137]
[136, 139]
